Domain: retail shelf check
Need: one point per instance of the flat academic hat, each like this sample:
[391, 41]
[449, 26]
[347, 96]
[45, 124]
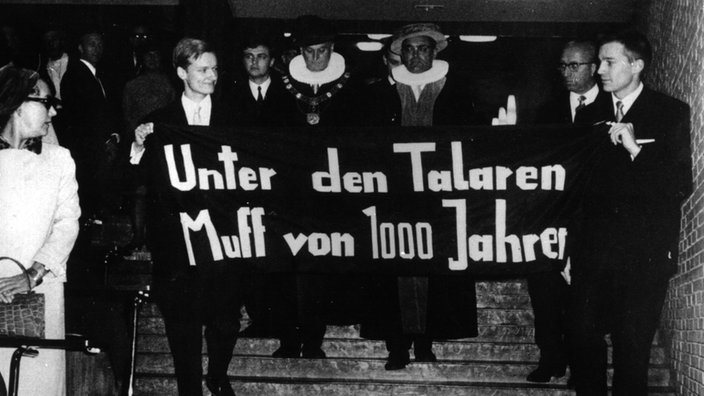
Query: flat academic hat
[311, 30]
[418, 29]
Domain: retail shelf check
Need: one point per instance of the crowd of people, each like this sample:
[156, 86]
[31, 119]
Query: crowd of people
[621, 254]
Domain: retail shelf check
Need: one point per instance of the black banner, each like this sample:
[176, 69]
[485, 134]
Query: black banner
[401, 200]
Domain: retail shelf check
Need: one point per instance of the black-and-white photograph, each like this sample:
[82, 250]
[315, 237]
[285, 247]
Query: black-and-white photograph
[351, 197]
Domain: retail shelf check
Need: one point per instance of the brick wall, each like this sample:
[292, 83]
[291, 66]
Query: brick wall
[676, 30]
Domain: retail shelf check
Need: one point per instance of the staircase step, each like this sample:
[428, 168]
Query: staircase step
[361, 370]
[456, 350]
[494, 363]
[502, 287]
[167, 386]
[508, 301]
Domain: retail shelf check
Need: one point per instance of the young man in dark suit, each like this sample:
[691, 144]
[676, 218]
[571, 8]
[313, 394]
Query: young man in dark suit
[626, 249]
[188, 296]
[261, 100]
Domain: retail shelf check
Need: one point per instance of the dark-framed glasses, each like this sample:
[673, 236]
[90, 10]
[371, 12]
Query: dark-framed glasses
[573, 66]
[48, 101]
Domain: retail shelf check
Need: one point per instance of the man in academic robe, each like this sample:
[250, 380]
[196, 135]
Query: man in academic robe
[319, 83]
[319, 79]
[414, 310]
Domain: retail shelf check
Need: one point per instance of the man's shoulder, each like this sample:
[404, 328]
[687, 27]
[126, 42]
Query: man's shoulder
[75, 66]
[660, 99]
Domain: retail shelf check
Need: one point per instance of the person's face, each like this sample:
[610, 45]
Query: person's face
[200, 77]
[151, 60]
[139, 37]
[256, 62]
[418, 53]
[392, 61]
[34, 117]
[53, 44]
[317, 57]
[619, 75]
[582, 79]
[91, 48]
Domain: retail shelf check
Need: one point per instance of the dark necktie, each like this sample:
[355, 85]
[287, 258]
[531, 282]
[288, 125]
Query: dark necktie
[582, 99]
[619, 111]
[102, 88]
[32, 144]
[260, 98]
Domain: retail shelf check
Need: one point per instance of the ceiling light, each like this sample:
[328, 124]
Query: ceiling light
[287, 34]
[369, 46]
[477, 39]
[378, 36]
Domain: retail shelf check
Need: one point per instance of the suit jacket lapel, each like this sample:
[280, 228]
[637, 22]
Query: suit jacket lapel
[639, 110]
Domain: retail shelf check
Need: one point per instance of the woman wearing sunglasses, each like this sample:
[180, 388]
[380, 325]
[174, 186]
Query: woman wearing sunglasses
[38, 218]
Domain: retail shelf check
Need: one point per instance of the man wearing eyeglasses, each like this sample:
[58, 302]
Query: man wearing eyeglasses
[577, 68]
[548, 290]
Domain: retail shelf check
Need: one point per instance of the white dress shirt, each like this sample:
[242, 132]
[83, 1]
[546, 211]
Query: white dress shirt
[56, 69]
[94, 72]
[253, 87]
[628, 99]
[189, 108]
[589, 95]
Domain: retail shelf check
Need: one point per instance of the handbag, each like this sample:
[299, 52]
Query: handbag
[24, 316]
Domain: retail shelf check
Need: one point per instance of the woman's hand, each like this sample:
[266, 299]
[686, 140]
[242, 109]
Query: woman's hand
[12, 285]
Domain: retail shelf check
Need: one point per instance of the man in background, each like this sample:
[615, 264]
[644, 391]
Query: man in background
[548, 290]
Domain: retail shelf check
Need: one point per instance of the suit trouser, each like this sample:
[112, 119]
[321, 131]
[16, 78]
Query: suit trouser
[323, 299]
[549, 298]
[187, 303]
[625, 303]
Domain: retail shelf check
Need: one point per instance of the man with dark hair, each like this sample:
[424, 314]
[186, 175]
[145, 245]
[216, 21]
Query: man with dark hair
[189, 296]
[548, 290]
[91, 131]
[262, 100]
[626, 249]
[577, 68]
[426, 92]
[414, 310]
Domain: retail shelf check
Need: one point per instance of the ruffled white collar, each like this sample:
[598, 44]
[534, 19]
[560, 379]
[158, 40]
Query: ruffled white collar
[336, 68]
[435, 73]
